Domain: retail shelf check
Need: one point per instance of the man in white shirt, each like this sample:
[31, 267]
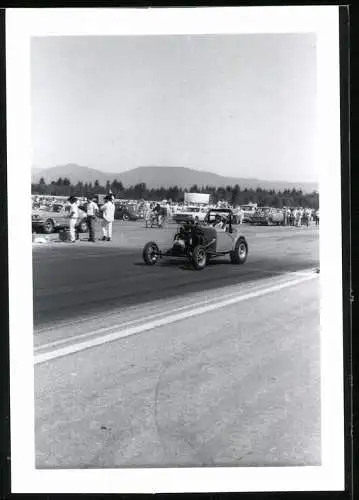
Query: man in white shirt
[73, 215]
[299, 217]
[92, 211]
[108, 213]
[240, 215]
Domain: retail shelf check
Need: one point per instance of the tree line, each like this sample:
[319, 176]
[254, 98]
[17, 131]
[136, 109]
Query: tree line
[235, 195]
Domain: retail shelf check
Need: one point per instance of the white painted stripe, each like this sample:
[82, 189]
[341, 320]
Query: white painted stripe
[303, 272]
[144, 319]
[191, 296]
[150, 325]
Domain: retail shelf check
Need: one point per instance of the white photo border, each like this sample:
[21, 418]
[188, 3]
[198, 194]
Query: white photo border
[21, 25]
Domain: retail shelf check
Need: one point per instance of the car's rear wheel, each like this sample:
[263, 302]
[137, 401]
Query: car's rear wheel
[49, 227]
[125, 217]
[199, 257]
[240, 252]
[150, 253]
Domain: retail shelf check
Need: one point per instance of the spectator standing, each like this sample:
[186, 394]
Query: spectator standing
[73, 216]
[290, 216]
[300, 216]
[148, 213]
[241, 215]
[108, 214]
[92, 212]
[157, 213]
[294, 216]
[285, 216]
[308, 214]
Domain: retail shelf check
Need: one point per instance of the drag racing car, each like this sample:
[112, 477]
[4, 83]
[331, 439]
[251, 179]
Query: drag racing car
[199, 243]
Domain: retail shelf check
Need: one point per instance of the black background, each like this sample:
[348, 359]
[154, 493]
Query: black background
[350, 229]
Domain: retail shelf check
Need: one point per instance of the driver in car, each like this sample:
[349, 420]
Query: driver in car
[220, 222]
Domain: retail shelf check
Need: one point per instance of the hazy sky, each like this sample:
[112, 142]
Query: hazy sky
[238, 105]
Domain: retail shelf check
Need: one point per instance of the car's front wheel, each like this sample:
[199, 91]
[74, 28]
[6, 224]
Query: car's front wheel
[125, 217]
[199, 257]
[49, 227]
[240, 252]
[150, 253]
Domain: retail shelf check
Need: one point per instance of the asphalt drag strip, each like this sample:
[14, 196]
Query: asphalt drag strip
[79, 281]
[142, 322]
[221, 380]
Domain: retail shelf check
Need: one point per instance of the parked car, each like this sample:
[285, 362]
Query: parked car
[51, 219]
[268, 216]
[199, 243]
[126, 212]
[190, 214]
[248, 212]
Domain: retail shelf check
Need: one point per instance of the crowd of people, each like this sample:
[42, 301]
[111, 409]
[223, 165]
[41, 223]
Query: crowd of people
[297, 216]
[154, 213]
[300, 216]
[106, 212]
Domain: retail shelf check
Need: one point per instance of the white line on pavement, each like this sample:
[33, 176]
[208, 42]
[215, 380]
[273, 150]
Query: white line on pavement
[159, 322]
[192, 298]
[145, 319]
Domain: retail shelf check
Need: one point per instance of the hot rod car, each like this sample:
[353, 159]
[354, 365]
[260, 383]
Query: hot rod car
[198, 243]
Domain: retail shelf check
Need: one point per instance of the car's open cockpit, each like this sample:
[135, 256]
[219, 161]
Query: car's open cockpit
[221, 220]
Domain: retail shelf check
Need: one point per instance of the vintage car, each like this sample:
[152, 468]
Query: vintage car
[190, 214]
[56, 217]
[199, 243]
[248, 211]
[126, 212]
[268, 216]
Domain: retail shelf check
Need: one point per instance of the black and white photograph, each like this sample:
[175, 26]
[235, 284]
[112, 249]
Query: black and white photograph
[181, 282]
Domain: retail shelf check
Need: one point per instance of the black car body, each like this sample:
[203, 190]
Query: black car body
[126, 212]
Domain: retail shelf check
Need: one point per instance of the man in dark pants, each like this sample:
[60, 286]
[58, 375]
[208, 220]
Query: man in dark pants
[92, 211]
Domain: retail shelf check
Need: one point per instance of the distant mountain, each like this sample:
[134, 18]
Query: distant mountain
[72, 171]
[35, 171]
[155, 177]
